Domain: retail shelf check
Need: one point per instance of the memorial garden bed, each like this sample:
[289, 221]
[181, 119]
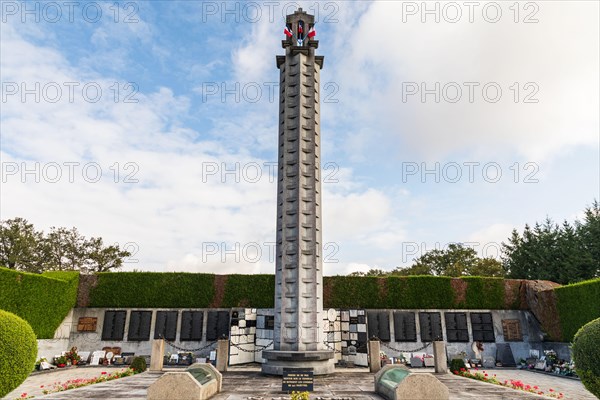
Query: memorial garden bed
[486, 377]
[75, 383]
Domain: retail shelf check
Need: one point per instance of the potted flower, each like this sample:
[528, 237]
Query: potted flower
[60, 362]
[72, 356]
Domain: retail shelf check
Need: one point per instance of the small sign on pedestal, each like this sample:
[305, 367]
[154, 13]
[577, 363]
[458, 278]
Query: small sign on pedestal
[297, 379]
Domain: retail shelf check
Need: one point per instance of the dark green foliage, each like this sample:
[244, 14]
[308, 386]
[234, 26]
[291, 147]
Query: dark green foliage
[41, 300]
[153, 289]
[25, 249]
[456, 260]
[255, 291]
[586, 354]
[484, 293]
[419, 292]
[180, 290]
[577, 304]
[18, 351]
[353, 291]
[456, 364]
[564, 254]
[138, 364]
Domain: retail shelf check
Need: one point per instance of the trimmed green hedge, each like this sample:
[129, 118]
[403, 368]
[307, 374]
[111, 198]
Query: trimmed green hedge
[153, 290]
[419, 292]
[42, 300]
[352, 292]
[180, 290]
[577, 304]
[484, 293]
[256, 291]
[18, 351]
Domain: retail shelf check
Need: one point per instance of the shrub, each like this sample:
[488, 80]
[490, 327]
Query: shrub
[18, 351]
[586, 354]
[577, 304]
[42, 300]
[458, 365]
[138, 364]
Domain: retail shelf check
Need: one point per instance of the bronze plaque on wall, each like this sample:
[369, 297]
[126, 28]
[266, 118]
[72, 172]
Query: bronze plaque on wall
[87, 324]
[511, 329]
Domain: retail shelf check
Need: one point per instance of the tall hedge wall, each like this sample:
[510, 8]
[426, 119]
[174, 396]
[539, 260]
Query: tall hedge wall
[42, 300]
[180, 290]
[484, 293]
[153, 290]
[255, 291]
[577, 305]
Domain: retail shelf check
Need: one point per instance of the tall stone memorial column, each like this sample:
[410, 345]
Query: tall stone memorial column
[298, 335]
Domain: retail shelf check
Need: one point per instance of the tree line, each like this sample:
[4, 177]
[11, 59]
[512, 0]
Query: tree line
[24, 248]
[565, 253]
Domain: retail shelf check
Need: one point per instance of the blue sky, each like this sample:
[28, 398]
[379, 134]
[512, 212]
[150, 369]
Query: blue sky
[433, 131]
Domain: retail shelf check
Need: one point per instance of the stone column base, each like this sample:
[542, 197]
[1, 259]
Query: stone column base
[321, 361]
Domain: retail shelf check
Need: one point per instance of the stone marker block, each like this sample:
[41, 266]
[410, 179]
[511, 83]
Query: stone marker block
[396, 382]
[201, 383]
[222, 355]
[157, 357]
[374, 360]
[439, 357]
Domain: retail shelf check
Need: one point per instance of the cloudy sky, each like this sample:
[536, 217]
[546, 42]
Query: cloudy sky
[153, 124]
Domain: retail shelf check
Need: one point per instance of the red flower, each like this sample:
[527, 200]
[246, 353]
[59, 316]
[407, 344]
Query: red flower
[24, 395]
[552, 390]
[103, 372]
[485, 374]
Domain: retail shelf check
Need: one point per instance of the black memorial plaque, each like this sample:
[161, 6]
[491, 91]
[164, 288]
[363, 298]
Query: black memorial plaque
[297, 379]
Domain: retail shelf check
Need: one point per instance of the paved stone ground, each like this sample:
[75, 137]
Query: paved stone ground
[246, 383]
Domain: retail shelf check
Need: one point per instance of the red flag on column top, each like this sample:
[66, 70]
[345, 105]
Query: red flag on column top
[287, 32]
[312, 32]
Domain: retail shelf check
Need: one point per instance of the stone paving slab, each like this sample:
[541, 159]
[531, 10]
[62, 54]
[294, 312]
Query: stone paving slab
[247, 383]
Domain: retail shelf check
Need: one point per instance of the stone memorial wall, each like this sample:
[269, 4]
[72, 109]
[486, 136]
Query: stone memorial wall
[345, 331]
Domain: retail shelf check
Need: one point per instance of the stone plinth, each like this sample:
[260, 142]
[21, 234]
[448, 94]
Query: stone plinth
[374, 359]
[157, 357]
[222, 354]
[396, 382]
[185, 386]
[439, 357]
[321, 361]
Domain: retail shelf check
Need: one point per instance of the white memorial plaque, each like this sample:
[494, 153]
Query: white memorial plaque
[331, 314]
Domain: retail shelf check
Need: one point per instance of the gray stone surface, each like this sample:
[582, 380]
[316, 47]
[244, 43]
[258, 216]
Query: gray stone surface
[356, 383]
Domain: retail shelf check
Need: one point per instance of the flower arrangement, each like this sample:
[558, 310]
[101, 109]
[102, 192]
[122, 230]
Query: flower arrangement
[72, 356]
[512, 384]
[61, 361]
[551, 356]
